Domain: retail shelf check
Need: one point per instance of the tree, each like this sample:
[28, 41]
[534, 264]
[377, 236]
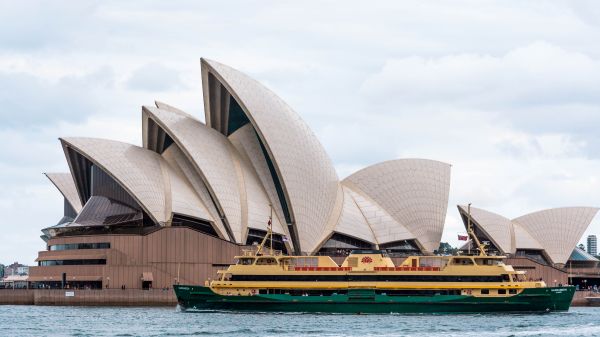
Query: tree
[446, 249]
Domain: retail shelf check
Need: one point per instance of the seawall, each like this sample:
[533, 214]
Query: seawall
[580, 299]
[105, 297]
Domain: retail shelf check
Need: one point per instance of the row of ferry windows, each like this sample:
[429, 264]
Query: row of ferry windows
[299, 261]
[69, 246]
[500, 291]
[479, 261]
[314, 261]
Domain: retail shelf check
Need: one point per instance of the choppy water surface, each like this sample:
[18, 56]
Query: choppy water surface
[98, 321]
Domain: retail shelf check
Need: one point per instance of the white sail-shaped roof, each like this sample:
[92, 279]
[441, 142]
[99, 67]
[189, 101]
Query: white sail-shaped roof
[257, 205]
[497, 228]
[211, 154]
[559, 229]
[248, 146]
[306, 174]
[66, 185]
[385, 228]
[232, 182]
[524, 240]
[555, 231]
[145, 175]
[352, 221]
[413, 191]
[178, 160]
[187, 200]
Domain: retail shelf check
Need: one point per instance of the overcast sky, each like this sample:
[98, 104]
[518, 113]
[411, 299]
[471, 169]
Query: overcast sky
[506, 92]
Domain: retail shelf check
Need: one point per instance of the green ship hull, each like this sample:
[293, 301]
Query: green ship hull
[367, 301]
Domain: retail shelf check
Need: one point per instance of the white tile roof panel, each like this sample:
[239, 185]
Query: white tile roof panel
[66, 185]
[413, 191]
[212, 154]
[306, 172]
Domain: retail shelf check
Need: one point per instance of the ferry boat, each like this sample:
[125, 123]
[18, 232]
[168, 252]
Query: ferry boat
[368, 282]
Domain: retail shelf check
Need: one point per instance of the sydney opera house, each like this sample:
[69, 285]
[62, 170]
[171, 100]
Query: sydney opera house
[180, 207]
[196, 193]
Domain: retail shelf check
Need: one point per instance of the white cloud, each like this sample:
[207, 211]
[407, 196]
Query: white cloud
[538, 74]
[155, 77]
[507, 92]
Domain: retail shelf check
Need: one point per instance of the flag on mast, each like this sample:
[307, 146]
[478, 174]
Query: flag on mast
[463, 237]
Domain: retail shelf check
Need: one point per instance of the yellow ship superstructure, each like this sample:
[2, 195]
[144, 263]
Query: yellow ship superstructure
[467, 275]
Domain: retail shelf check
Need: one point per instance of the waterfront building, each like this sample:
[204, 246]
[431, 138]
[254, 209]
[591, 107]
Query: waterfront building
[580, 259]
[181, 206]
[592, 245]
[14, 281]
[16, 268]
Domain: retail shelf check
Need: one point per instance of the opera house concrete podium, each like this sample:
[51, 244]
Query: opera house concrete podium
[180, 207]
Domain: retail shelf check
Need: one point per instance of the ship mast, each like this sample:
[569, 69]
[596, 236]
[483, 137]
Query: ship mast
[269, 235]
[471, 231]
[271, 228]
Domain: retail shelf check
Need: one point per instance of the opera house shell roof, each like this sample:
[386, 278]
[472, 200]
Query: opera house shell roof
[552, 232]
[252, 159]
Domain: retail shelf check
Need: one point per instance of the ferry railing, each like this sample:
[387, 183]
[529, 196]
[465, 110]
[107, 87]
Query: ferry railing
[267, 252]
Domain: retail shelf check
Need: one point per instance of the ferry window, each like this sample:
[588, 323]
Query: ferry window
[463, 261]
[485, 291]
[512, 291]
[307, 261]
[432, 262]
[501, 291]
[505, 278]
[246, 261]
[486, 262]
[266, 261]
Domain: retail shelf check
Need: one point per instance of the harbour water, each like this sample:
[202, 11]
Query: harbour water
[105, 321]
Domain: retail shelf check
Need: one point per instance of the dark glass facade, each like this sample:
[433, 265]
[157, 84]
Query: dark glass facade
[535, 255]
[401, 248]
[70, 246]
[342, 245]
[194, 223]
[82, 172]
[79, 262]
[69, 212]
[109, 204]
[237, 117]
[163, 140]
[255, 236]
